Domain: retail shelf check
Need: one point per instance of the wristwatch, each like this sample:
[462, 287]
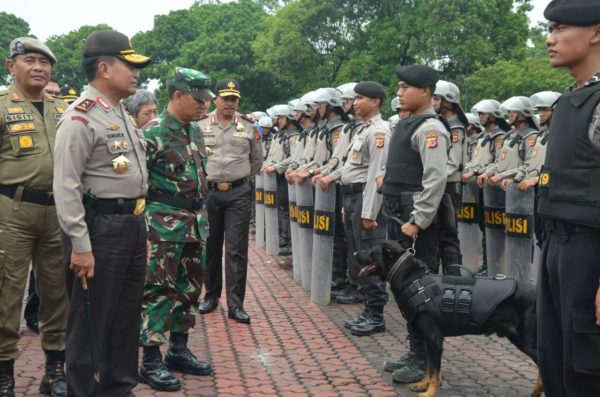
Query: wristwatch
[311, 172]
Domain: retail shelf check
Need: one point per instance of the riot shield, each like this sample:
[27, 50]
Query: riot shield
[304, 200]
[296, 269]
[271, 220]
[519, 232]
[322, 255]
[494, 220]
[469, 232]
[260, 211]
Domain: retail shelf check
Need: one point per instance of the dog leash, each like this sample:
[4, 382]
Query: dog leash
[403, 258]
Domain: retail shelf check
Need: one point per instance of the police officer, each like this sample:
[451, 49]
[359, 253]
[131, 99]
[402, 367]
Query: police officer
[446, 102]
[100, 181]
[413, 185]
[568, 304]
[69, 94]
[364, 223]
[265, 125]
[30, 231]
[234, 156]
[177, 224]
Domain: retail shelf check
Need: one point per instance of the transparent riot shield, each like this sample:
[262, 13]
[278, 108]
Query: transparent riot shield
[260, 211]
[271, 220]
[304, 199]
[296, 269]
[322, 255]
[469, 232]
[494, 220]
[519, 232]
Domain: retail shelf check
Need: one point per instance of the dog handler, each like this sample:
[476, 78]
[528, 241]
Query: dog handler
[568, 294]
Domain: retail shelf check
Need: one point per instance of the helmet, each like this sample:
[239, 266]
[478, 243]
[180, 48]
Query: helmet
[330, 96]
[518, 104]
[258, 114]
[265, 122]
[544, 99]
[310, 99]
[394, 120]
[347, 90]
[282, 110]
[473, 120]
[490, 106]
[396, 104]
[447, 90]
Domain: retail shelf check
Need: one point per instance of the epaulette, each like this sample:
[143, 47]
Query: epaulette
[247, 118]
[85, 105]
[203, 117]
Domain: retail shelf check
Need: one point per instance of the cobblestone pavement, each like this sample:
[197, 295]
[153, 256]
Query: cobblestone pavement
[294, 347]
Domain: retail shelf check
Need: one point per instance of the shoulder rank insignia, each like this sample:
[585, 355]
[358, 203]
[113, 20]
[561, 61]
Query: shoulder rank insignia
[248, 118]
[60, 109]
[85, 105]
[14, 96]
[431, 139]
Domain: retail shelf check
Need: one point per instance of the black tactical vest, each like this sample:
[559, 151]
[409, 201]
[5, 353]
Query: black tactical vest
[404, 169]
[569, 185]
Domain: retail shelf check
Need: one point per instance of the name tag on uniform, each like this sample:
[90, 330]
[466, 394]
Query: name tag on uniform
[240, 134]
[11, 118]
[210, 140]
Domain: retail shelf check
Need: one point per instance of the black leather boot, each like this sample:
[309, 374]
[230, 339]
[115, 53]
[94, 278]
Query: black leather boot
[7, 378]
[372, 324]
[355, 321]
[350, 296]
[179, 357]
[154, 373]
[54, 381]
[414, 367]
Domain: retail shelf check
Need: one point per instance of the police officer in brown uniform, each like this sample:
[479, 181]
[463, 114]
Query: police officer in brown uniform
[234, 156]
[568, 304]
[100, 181]
[29, 229]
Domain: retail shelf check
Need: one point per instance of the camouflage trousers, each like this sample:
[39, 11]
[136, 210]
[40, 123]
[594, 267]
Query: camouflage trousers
[174, 279]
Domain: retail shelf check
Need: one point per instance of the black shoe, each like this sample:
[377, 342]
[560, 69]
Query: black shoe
[483, 271]
[355, 321]
[285, 250]
[7, 378]
[392, 364]
[54, 381]
[154, 372]
[208, 305]
[371, 325]
[239, 315]
[180, 358]
[412, 372]
[351, 296]
[33, 325]
[338, 283]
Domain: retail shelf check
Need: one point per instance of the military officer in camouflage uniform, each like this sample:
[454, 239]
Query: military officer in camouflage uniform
[176, 229]
[100, 181]
[234, 156]
[30, 231]
[413, 186]
[363, 220]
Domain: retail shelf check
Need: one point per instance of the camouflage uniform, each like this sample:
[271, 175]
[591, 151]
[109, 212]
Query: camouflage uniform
[177, 235]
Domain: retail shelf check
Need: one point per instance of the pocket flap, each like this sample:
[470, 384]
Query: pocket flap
[584, 321]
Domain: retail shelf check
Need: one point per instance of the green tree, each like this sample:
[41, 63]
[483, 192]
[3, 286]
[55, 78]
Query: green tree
[68, 49]
[12, 27]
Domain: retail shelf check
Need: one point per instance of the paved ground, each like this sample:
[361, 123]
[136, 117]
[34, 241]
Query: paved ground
[296, 348]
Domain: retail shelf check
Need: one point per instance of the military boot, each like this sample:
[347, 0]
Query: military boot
[7, 378]
[350, 296]
[179, 357]
[372, 324]
[414, 366]
[355, 321]
[392, 364]
[154, 373]
[54, 381]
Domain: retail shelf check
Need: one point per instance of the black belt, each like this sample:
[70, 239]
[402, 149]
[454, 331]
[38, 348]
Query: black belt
[29, 195]
[110, 206]
[554, 225]
[351, 188]
[225, 186]
[192, 204]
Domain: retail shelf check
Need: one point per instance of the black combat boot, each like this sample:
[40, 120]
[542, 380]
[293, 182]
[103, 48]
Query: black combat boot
[54, 381]
[179, 357]
[372, 324]
[154, 373]
[7, 378]
[355, 321]
[414, 367]
[350, 296]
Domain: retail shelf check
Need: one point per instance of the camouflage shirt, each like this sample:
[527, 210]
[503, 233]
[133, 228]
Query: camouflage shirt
[172, 170]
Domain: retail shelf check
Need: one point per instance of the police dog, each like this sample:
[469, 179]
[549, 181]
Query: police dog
[512, 316]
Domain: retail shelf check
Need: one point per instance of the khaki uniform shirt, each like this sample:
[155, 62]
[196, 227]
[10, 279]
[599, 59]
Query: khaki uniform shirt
[234, 150]
[324, 144]
[334, 166]
[367, 153]
[484, 151]
[93, 142]
[27, 139]
[296, 150]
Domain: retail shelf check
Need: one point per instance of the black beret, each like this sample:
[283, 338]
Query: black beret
[420, 76]
[573, 12]
[371, 89]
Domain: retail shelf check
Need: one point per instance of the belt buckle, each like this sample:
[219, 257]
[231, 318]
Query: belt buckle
[140, 205]
[223, 186]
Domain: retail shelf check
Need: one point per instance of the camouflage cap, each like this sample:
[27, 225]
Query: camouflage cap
[23, 45]
[194, 82]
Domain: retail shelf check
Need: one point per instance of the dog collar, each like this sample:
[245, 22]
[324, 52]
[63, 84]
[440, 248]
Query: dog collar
[403, 258]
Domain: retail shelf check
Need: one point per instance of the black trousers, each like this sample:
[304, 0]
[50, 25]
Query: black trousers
[340, 247]
[228, 219]
[119, 248]
[372, 287]
[568, 337]
[283, 213]
[449, 250]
